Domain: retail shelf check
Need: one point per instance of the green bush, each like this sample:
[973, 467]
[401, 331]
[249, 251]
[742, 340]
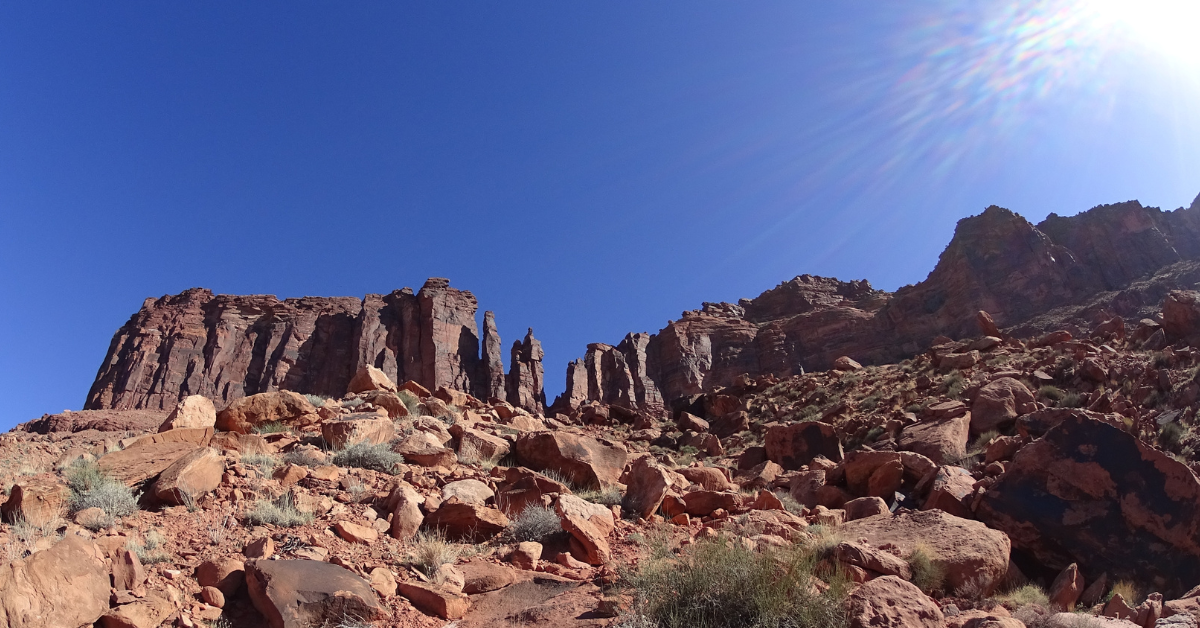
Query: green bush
[411, 402]
[316, 400]
[369, 456]
[605, 497]
[1053, 393]
[534, 523]
[281, 511]
[264, 463]
[303, 458]
[274, 427]
[928, 576]
[721, 584]
[1030, 594]
[91, 488]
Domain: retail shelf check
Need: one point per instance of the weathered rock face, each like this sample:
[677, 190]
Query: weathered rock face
[299, 593]
[1092, 494]
[997, 262]
[493, 362]
[66, 585]
[226, 347]
[526, 376]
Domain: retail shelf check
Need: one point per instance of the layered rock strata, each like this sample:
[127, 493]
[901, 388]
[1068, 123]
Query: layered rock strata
[1113, 260]
[226, 347]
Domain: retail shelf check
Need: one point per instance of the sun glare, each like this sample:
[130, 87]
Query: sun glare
[1166, 26]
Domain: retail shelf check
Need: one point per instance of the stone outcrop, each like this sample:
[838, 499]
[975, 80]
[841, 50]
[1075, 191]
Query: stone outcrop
[301, 593]
[66, 585]
[1092, 494]
[226, 347]
[997, 262]
[526, 376]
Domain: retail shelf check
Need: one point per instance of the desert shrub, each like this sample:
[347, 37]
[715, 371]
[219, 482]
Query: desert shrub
[281, 511]
[431, 550]
[981, 443]
[353, 402]
[316, 400]
[1051, 392]
[410, 401]
[369, 456]
[789, 502]
[719, 584]
[273, 427]
[469, 454]
[870, 402]
[928, 576]
[534, 523]
[264, 463]
[954, 383]
[91, 488]
[605, 497]
[303, 458]
[149, 551]
[1071, 400]
[1128, 591]
[1030, 594]
[1171, 435]
[24, 535]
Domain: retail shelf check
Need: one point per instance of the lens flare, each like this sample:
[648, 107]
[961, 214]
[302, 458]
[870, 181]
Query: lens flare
[1165, 26]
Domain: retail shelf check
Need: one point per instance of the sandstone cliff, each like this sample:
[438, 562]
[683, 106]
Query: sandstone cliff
[1111, 260]
[227, 347]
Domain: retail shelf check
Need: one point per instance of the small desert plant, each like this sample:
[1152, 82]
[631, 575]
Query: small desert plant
[91, 488]
[264, 463]
[1071, 400]
[718, 584]
[25, 534]
[410, 401]
[431, 550]
[534, 523]
[469, 454]
[1171, 435]
[1053, 393]
[1127, 590]
[927, 574]
[605, 497]
[274, 427]
[953, 384]
[316, 400]
[148, 551]
[353, 402]
[281, 511]
[303, 458]
[870, 402]
[1030, 594]
[981, 443]
[789, 502]
[369, 456]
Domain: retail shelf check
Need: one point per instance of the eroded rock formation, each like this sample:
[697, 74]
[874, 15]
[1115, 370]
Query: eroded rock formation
[228, 347]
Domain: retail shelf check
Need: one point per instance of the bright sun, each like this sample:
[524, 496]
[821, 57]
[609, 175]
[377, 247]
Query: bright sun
[1169, 27]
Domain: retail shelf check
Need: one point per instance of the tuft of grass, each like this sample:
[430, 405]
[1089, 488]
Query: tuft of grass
[264, 463]
[954, 383]
[928, 576]
[468, 454]
[431, 550]
[149, 551]
[605, 497]
[1051, 392]
[91, 488]
[1128, 590]
[1071, 400]
[981, 442]
[411, 402]
[534, 523]
[303, 458]
[353, 402]
[24, 535]
[280, 512]
[722, 584]
[369, 456]
[1171, 435]
[1029, 594]
[316, 400]
[274, 427]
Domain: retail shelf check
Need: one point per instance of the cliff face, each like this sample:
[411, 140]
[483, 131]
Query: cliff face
[226, 347]
[997, 262]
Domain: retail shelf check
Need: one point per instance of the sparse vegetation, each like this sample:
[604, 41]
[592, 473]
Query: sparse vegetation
[264, 463]
[1050, 392]
[91, 488]
[303, 458]
[928, 576]
[1127, 590]
[316, 400]
[410, 401]
[281, 511]
[431, 550]
[369, 456]
[610, 496]
[272, 428]
[534, 523]
[150, 550]
[719, 584]
[353, 402]
[1029, 594]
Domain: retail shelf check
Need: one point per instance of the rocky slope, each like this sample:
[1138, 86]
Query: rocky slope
[227, 347]
[1063, 268]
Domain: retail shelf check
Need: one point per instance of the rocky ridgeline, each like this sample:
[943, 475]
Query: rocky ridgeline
[227, 347]
[988, 481]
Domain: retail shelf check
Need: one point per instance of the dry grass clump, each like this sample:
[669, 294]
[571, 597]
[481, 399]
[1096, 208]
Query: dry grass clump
[431, 550]
[721, 584]
[264, 463]
[928, 576]
[1027, 595]
[281, 511]
[149, 551]
[91, 488]
[369, 456]
[534, 523]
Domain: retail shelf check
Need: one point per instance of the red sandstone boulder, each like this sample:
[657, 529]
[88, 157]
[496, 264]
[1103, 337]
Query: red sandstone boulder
[434, 600]
[939, 440]
[370, 378]
[405, 505]
[844, 363]
[794, 445]
[1066, 589]
[524, 487]
[1000, 402]
[864, 507]
[35, 500]
[893, 603]
[584, 460]
[969, 551]
[192, 475]
[192, 411]
[874, 560]
[467, 522]
[304, 593]
[648, 484]
[353, 429]
[589, 524]
[1181, 315]
[711, 478]
[280, 406]
[66, 585]
[951, 491]
[137, 464]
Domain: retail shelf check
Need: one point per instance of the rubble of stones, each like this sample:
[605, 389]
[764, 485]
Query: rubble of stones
[1065, 461]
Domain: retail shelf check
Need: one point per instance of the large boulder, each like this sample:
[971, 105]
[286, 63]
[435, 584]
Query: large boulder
[583, 460]
[940, 440]
[1090, 493]
[192, 411]
[66, 585]
[136, 465]
[793, 445]
[890, 602]
[434, 600]
[304, 593]
[405, 505]
[970, 552]
[353, 429]
[426, 450]
[467, 522]
[951, 491]
[648, 485]
[1181, 315]
[147, 612]
[589, 525]
[1000, 402]
[524, 487]
[35, 500]
[279, 406]
[195, 473]
[370, 378]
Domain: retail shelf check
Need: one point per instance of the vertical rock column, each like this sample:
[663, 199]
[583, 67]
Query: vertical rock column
[493, 363]
[525, 375]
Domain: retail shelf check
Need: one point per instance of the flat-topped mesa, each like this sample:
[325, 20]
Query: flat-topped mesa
[226, 347]
[997, 262]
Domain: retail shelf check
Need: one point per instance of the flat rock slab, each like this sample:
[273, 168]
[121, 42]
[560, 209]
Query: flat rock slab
[305, 593]
[135, 465]
[539, 601]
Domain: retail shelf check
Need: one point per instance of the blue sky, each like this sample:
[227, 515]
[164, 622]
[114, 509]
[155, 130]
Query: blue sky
[585, 168]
